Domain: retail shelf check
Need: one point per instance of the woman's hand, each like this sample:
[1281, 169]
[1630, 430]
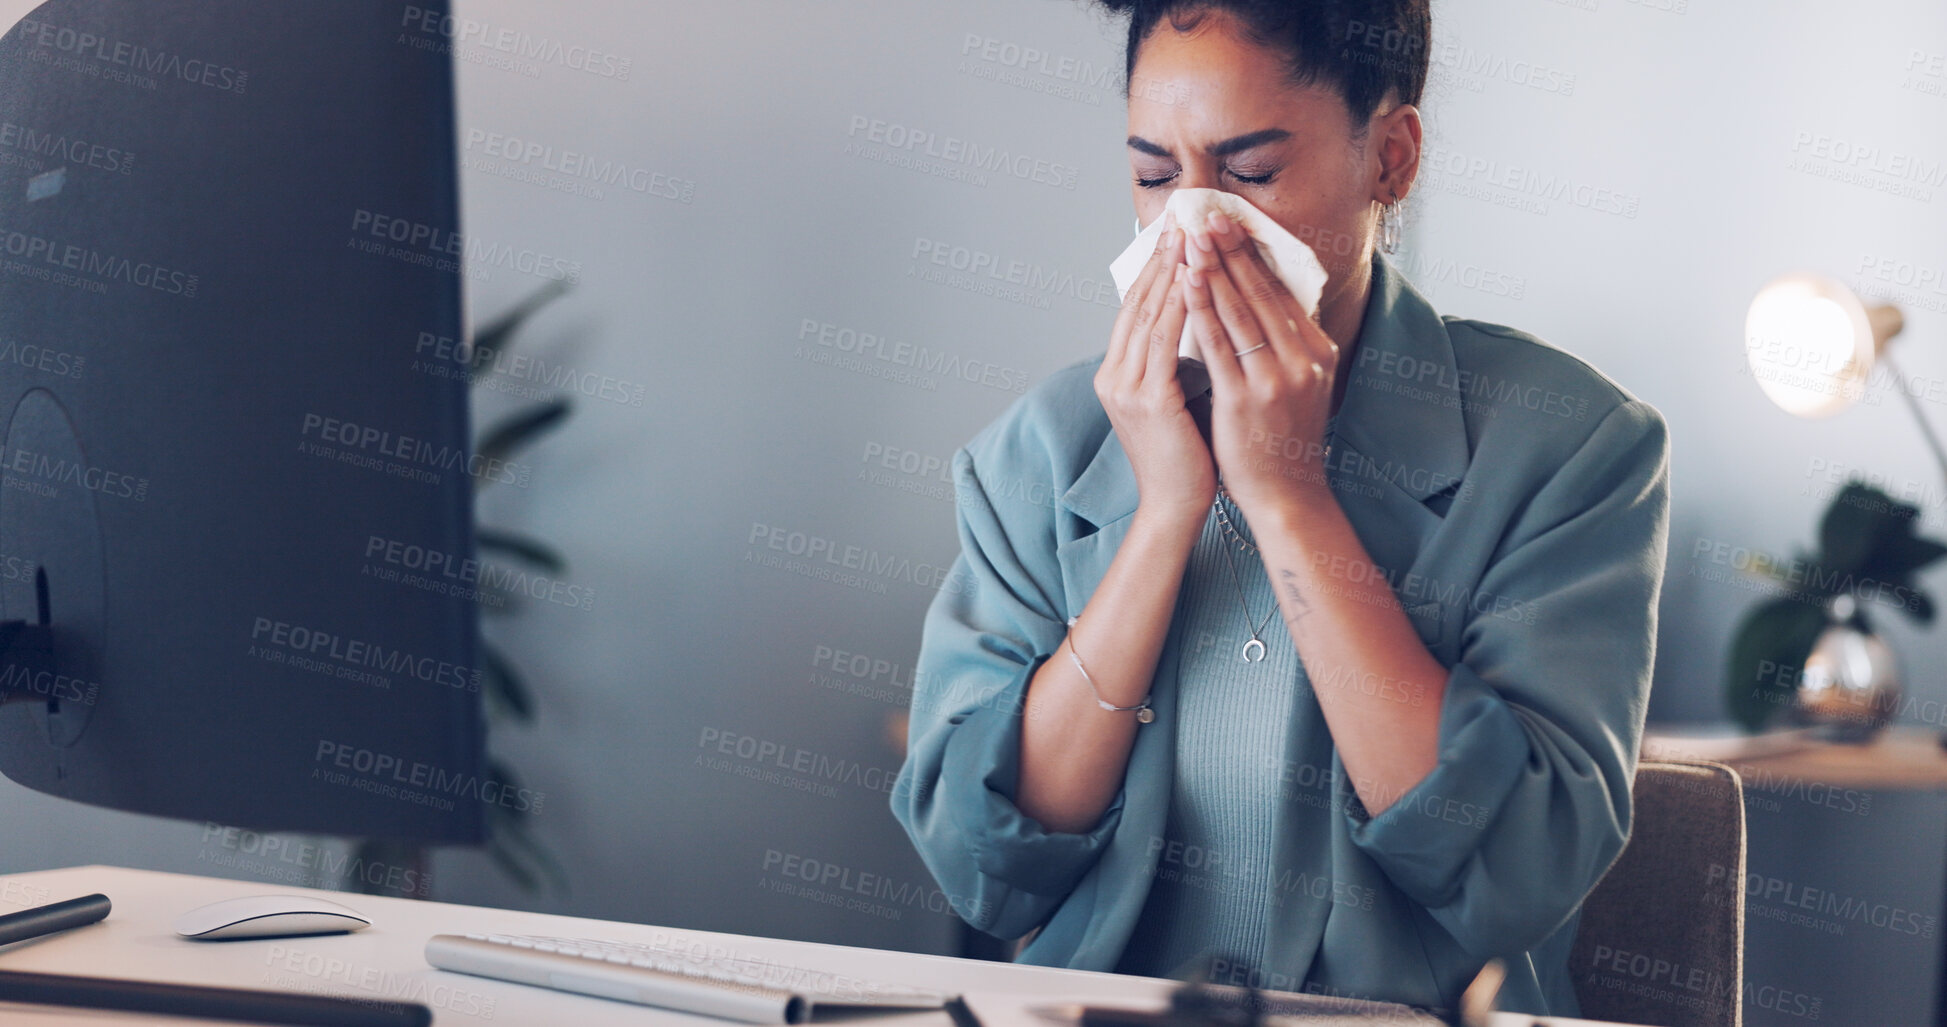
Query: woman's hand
[1268, 407]
[1137, 386]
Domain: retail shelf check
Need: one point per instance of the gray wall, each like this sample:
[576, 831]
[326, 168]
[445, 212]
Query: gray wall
[1700, 121]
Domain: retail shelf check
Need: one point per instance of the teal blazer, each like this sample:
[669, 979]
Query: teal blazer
[1518, 501]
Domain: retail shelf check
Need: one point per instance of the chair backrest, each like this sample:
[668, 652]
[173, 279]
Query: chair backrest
[1661, 940]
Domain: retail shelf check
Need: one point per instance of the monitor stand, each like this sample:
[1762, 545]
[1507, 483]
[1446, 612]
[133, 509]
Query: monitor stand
[51, 609]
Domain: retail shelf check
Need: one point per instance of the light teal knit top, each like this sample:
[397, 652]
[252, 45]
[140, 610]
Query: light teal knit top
[1213, 884]
[1214, 887]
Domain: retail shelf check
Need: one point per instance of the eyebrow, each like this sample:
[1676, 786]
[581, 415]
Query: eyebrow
[1223, 149]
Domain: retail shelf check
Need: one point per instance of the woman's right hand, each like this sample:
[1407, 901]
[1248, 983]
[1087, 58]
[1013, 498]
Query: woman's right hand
[1175, 474]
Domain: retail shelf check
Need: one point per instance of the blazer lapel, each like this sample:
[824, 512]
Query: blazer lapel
[1104, 495]
[1401, 448]
[1403, 407]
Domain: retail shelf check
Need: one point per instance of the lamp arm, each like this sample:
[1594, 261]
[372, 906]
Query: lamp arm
[1926, 430]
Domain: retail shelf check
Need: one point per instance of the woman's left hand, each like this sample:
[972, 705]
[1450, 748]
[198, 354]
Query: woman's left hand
[1268, 408]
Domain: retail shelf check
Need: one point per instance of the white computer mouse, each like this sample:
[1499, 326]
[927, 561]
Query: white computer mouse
[266, 916]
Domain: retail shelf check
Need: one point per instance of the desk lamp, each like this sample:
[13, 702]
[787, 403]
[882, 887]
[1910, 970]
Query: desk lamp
[1811, 344]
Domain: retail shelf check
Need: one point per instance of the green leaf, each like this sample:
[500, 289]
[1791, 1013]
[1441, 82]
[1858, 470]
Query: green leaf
[517, 430]
[1767, 655]
[1919, 606]
[497, 335]
[503, 684]
[502, 776]
[520, 546]
[1847, 530]
[1899, 555]
[510, 844]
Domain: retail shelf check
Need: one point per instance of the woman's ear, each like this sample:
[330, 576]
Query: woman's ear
[1399, 137]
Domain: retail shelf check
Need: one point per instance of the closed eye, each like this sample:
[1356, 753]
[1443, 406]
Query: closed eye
[1153, 183]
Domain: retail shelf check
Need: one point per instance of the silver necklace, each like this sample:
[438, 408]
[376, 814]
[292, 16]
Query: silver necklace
[1231, 534]
[1255, 644]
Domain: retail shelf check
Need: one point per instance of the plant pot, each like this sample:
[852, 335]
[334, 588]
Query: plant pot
[1851, 683]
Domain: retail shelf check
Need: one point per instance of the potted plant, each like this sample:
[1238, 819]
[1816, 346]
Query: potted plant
[511, 842]
[1808, 657]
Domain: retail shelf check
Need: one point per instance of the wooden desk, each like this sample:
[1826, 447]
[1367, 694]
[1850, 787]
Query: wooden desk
[1902, 758]
[386, 961]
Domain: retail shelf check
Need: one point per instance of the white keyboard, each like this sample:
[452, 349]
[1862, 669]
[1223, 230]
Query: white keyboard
[737, 987]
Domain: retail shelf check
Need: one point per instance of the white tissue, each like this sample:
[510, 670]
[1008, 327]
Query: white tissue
[1292, 260]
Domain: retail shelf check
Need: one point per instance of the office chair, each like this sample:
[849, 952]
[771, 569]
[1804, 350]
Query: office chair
[1661, 939]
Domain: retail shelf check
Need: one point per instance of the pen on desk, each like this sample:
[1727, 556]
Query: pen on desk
[249, 1005]
[956, 1007]
[1106, 1016]
[55, 916]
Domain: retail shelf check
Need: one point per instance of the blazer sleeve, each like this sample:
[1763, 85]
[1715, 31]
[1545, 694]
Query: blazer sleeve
[1529, 803]
[986, 633]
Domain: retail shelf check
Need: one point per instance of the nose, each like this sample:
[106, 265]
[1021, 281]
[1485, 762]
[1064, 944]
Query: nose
[1196, 178]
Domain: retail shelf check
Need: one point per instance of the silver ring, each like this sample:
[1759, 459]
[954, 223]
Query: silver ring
[1253, 349]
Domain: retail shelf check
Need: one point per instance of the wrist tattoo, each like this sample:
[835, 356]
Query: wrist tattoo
[1295, 607]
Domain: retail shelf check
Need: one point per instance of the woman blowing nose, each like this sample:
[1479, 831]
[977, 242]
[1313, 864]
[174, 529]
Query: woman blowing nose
[1336, 664]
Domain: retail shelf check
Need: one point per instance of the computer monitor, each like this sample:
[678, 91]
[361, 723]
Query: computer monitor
[235, 489]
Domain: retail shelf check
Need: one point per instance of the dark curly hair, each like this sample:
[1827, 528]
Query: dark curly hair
[1361, 49]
